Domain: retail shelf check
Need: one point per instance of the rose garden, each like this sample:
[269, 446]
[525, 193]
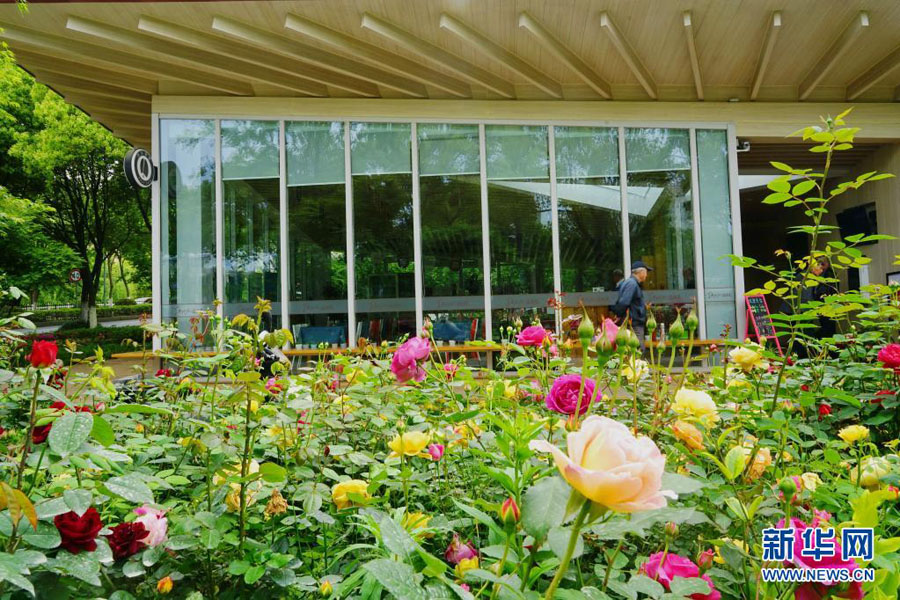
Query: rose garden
[579, 467]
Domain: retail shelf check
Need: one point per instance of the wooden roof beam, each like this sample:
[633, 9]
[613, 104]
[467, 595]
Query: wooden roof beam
[629, 55]
[88, 102]
[692, 52]
[874, 74]
[566, 56]
[54, 45]
[253, 54]
[366, 77]
[86, 85]
[33, 61]
[438, 55]
[501, 55]
[378, 56]
[765, 55]
[834, 53]
[128, 121]
[212, 60]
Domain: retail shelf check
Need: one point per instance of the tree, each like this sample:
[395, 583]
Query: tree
[29, 258]
[80, 162]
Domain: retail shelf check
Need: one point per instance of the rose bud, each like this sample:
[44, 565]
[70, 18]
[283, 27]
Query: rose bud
[509, 511]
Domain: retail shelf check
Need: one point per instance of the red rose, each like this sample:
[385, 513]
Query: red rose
[804, 387]
[824, 410]
[890, 356]
[43, 354]
[164, 373]
[126, 539]
[39, 434]
[879, 396]
[79, 533]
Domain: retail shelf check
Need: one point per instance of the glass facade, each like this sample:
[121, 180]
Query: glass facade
[362, 229]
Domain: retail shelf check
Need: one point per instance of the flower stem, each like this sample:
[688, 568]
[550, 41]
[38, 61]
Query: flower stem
[27, 449]
[570, 550]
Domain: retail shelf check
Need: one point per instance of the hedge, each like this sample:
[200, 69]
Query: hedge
[56, 315]
[111, 339]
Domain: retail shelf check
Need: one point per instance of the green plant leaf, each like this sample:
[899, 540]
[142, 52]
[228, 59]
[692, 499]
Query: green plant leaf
[69, 432]
[102, 431]
[272, 473]
[131, 487]
[398, 578]
[544, 506]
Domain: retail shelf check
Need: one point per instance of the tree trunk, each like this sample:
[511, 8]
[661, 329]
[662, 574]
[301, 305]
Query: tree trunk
[112, 283]
[90, 282]
[34, 298]
[124, 279]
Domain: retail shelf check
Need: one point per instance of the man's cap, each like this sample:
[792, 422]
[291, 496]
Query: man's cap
[639, 264]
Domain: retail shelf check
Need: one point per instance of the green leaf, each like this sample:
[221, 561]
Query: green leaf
[735, 461]
[681, 484]
[253, 574]
[394, 537]
[83, 566]
[46, 536]
[398, 578]
[780, 185]
[77, 501]
[544, 506]
[272, 473]
[558, 540]
[13, 571]
[70, 431]
[102, 431]
[644, 585]
[687, 586]
[131, 487]
[803, 187]
[141, 409]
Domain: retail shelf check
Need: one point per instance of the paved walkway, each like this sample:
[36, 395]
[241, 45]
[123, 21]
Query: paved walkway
[52, 328]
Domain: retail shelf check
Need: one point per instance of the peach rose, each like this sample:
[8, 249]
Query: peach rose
[611, 467]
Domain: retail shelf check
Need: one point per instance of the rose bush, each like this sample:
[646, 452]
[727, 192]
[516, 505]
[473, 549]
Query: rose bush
[405, 470]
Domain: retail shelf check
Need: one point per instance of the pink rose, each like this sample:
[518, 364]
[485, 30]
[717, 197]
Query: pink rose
[532, 336]
[458, 550]
[436, 451]
[155, 522]
[273, 386]
[677, 566]
[826, 562]
[610, 466]
[817, 591]
[890, 356]
[405, 363]
[450, 369]
[611, 329]
[563, 397]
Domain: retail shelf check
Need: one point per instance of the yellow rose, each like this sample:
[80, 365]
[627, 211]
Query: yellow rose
[736, 543]
[466, 564]
[696, 404]
[873, 469]
[411, 443]
[853, 433]
[282, 437]
[340, 493]
[687, 433]
[746, 358]
[637, 372]
[610, 466]
[416, 523]
[762, 460]
[233, 499]
[810, 481]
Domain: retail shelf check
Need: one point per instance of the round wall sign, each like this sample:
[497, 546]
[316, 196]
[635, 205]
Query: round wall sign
[139, 169]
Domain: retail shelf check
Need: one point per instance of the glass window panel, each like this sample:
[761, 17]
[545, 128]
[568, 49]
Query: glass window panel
[519, 212]
[315, 152]
[188, 218]
[715, 223]
[317, 233]
[383, 230]
[452, 259]
[590, 217]
[251, 205]
[380, 148]
[660, 214]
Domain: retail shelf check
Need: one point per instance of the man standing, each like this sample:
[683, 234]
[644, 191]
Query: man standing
[631, 299]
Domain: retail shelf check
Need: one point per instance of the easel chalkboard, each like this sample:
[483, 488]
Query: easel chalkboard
[759, 321]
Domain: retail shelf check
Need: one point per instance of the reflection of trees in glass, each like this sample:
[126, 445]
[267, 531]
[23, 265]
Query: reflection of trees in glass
[521, 242]
[187, 157]
[451, 235]
[659, 171]
[251, 207]
[317, 242]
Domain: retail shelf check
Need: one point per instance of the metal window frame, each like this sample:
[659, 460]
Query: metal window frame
[621, 126]
[698, 234]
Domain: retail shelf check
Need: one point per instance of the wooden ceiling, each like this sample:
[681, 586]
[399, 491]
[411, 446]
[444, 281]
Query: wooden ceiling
[110, 58]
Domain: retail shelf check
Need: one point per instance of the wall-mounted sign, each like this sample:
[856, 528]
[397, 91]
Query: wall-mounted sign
[139, 168]
[74, 275]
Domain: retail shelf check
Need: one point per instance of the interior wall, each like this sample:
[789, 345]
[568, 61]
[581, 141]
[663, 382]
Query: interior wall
[886, 195]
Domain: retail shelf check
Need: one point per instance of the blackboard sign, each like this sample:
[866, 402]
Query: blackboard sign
[759, 321]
